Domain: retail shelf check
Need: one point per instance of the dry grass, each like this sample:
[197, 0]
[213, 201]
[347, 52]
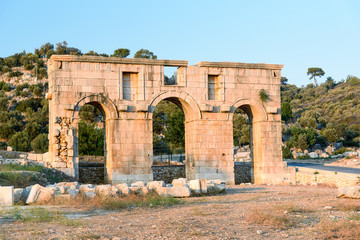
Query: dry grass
[272, 217]
[292, 208]
[348, 205]
[116, 203]
[343, 229]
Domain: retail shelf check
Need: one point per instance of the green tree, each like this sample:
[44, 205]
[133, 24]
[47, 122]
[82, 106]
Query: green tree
[241, 128]
[283, 80]
[315, 72]
[175, 134]
[20, 141]
[330, 135]
[144, 53]
[40, 144]
[44, 49]
[61, 48]
[121, 52]
[286, 112]
[91, 139]
[302, 142]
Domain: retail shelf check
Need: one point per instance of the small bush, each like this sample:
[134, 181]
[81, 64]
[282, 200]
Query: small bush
[339, 229]
[270, 218]
[15, 74]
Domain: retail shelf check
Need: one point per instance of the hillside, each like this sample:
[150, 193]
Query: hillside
[311, 115]
[322, 115]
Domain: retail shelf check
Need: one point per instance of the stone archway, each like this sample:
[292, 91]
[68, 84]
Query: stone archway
[109, 113]
[192, 113]
[256, 114]
[127, 91]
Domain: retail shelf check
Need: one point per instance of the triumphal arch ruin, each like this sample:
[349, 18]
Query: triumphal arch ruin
[128, 90]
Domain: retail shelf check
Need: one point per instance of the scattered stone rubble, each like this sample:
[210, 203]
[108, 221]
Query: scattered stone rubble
[179, 188]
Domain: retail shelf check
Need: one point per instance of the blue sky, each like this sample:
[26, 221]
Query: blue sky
[298, 34]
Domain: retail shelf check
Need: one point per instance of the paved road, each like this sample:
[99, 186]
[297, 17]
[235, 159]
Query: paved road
[326, 168]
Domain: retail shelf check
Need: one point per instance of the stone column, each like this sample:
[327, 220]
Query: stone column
[209, 150]
[130, 153]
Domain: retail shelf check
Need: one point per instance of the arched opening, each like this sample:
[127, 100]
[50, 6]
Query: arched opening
[169, 140]
[243, 144]
[92, 143]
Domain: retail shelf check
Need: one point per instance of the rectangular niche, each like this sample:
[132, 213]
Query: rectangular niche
[130, 85]
[213, 87]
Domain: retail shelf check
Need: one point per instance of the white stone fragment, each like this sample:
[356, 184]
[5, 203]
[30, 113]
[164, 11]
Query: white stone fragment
[39, 194]
[178, 192]
[6, 196]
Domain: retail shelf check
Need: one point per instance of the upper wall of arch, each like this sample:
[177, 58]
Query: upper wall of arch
[123, 85]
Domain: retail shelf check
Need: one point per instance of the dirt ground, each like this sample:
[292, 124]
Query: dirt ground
[245, 212]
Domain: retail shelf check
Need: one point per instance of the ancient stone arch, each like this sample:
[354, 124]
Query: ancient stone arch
[128, 91]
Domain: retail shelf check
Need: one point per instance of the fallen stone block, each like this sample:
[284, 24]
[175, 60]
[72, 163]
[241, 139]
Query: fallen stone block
[54, 189]
[123, 188]
[6, 196]
[89, 195]
[39, 194]
[138, 184]
[74, 193]
[103, 190]
[153, 185]
[349, 192]
[180, 182]
[86, 188]
[142, 191]
[18, 193]
[177, 192]
[195, 186]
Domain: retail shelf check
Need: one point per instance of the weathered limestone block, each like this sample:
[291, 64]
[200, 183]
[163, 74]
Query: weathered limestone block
[138, 184]
[324, 155]
[154, 185]
[313, 155]
[123, 188]
[142, 191]
[39, 194]
[6, 196]
[178, 192]
[84, 188]
[195, 187]
[18, 193]
[216, 186]
[103, 190]
[180, 182]
[198, 186]
[349, 192]
[74, 192]
[90, 195]
[55, 190]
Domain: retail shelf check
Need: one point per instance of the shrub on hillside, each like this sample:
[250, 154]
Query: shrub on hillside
[20, 141]
[40, 144]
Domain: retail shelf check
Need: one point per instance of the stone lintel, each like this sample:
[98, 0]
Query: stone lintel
[240, 65]
[122, 107]
[272, 110]
[225, 108]
[206, 108]
[142, 108]
[117, 60]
